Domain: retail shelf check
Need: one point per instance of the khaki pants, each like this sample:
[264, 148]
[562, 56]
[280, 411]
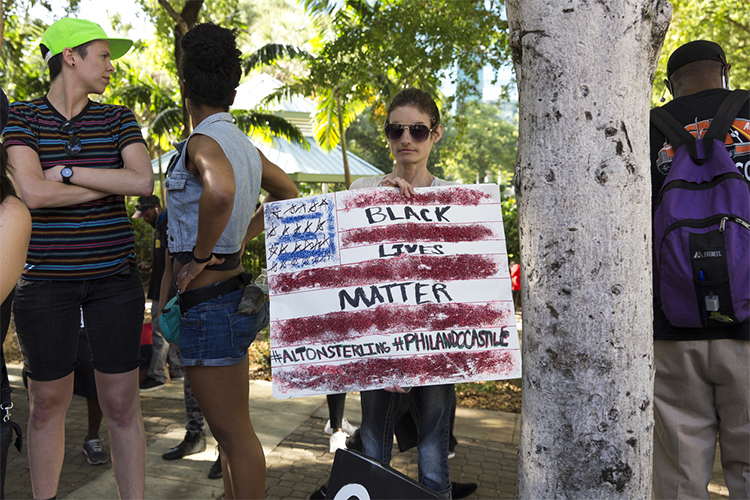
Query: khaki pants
[701, 388]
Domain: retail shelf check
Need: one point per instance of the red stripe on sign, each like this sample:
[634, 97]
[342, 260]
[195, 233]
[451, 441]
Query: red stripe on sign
[409, 370]
[449, 196]
[442, 268]
[417, 232]
[387, 319]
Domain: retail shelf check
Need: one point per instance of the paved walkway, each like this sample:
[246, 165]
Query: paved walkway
[291, 432]
[296, 448]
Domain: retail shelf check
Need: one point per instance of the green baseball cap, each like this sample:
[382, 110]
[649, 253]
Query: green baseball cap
[71, 32]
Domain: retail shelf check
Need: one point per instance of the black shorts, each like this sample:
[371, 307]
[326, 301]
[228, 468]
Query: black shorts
[48, 321]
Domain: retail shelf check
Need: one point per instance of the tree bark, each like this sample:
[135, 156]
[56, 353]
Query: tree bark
[2, 26]
[342, 138]
[585, 72]
[183, 21]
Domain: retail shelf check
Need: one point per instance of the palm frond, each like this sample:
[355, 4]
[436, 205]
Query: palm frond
[132, 95]
[266, 126]
[320, 7]
[326, 122]
[287, 92]
[269, 53]
[166, 125]
[327, 119]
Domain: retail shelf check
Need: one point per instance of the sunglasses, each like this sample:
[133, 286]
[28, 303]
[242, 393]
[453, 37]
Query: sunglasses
[73, 146]
[418, 132]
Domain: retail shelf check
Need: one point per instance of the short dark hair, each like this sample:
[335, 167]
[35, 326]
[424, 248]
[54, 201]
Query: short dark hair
[146, 202]
[211, 65]
[418, 99]
[55, 62]
[702, 68]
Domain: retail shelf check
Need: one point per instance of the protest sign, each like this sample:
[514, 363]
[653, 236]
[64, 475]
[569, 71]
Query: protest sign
[370, 289]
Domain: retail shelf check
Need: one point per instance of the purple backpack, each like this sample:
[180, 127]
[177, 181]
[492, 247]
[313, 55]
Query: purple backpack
[702, 225]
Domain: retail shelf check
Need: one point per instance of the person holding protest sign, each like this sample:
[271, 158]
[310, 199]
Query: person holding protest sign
[214, 186]
[412, 128]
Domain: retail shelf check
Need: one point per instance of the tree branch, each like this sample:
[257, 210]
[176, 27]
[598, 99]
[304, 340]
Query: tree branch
[739, 25]
[170, 10]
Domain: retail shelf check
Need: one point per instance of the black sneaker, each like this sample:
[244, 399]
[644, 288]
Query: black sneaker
[150, 384]
[176, 376]
[462, 490]
[215, 471]
[320, 493]
[94, 451]
[193, 443]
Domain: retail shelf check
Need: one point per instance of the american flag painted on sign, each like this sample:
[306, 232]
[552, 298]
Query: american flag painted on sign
[370, 289]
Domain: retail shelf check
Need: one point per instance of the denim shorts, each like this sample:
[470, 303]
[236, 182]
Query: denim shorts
[48, 322]
[214, 334]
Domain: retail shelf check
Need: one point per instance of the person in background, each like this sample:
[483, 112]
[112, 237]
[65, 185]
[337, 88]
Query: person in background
[338, 427]
[84, 385]
[702, 381]
[149, 210]
[215, 185]
[515, 284]
[75, 160]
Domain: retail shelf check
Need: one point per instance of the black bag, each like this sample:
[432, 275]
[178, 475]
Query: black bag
[7, 426]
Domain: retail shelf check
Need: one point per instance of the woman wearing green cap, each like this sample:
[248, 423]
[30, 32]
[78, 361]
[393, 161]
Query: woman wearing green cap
[75, 160]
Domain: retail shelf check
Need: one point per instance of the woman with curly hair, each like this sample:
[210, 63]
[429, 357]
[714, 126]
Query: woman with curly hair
[212, 190]
[15, 230]
[15, 226]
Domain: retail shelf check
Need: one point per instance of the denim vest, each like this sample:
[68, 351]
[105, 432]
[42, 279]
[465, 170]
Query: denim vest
[184, 190]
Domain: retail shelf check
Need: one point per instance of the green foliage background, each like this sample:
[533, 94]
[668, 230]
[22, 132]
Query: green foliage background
[726, 22]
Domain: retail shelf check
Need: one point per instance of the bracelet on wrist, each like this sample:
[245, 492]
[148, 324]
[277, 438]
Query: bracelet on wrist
[202, 261]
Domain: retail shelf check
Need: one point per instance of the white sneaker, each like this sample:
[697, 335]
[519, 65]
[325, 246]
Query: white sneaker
[348, 428]
[337, 441]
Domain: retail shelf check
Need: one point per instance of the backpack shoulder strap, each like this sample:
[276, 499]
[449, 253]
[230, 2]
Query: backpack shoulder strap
[677, 135]
[726, 114]
[673, 130]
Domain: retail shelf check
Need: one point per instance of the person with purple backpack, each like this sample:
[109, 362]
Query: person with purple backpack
[700, 175]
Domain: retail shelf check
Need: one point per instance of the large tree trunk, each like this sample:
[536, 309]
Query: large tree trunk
[585, 72]
[183, 21]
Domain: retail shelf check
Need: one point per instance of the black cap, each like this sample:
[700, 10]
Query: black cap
[698, 50]
[144, 203]
[3, 110]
